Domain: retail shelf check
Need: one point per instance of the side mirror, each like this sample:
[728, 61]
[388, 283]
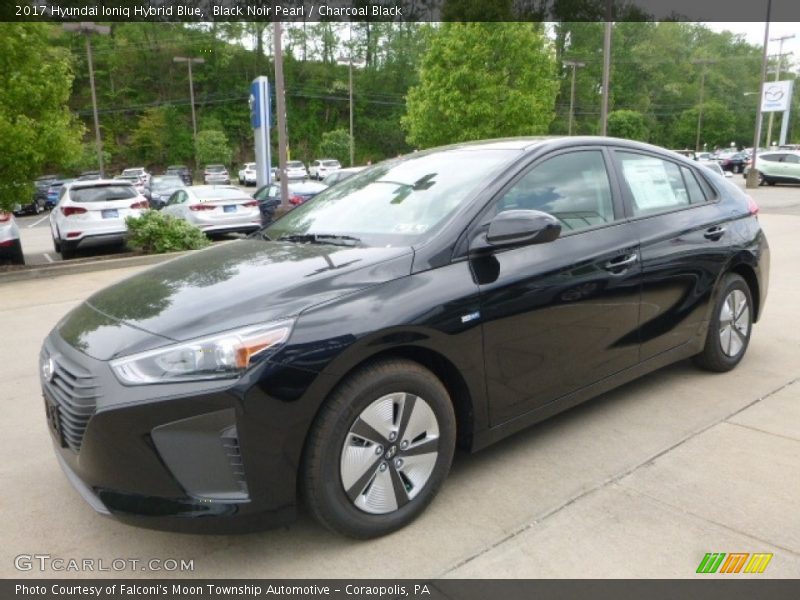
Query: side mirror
[522, 228]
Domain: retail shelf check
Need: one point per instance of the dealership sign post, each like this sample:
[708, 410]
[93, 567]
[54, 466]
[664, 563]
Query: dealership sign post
[260, 120]
[777, 97]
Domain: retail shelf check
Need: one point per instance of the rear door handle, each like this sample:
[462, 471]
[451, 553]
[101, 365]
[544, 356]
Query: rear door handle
[620, 265]
[714, 233]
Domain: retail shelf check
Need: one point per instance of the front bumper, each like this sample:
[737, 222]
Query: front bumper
[155, 457]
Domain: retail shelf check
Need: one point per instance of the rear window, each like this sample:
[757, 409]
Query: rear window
[330, 163]
[294, 164]
[218, 194]
[215, 168]
[105, 193]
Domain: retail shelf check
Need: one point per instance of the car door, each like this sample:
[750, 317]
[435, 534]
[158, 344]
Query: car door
[684, 239]
[175, 204]
[561, 315]
[790, 167]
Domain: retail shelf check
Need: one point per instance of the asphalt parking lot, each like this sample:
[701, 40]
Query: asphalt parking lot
[641, 482]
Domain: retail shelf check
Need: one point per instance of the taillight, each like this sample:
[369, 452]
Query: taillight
[199, 207]
[752, 206]
[5, 217]
[251, 203]
[143, 204]
[72, 210]
[295, 200]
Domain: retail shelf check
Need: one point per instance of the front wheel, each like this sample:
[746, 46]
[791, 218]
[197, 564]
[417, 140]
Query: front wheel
[379, 450]
[730, 327]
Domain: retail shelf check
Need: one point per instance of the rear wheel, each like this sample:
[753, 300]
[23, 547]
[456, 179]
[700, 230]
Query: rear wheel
[17, 257]
[730, 327]
[67, 250]
[379, 449]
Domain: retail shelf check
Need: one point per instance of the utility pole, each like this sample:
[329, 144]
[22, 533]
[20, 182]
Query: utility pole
[575, 65]
[702, 62]
[752, 175]
[87, 29]
[280, 102]
[606, 68]
[780, 41]
[189, 60]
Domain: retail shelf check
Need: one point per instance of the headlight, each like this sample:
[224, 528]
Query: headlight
[222, 356]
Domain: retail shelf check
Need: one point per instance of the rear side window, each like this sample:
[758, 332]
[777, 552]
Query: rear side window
[656, 185]
[791, 159]
[696, 195]
[572, 187]
[106, 193]
[770, 157]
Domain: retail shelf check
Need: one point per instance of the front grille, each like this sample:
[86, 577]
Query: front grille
[75, 392]
[230, 441]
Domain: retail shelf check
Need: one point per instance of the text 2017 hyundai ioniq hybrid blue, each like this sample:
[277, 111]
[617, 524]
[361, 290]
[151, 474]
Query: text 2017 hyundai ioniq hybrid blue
[453, 296]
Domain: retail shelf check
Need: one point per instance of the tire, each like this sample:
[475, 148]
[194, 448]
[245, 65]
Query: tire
[17, 257]
[379, 390]
[728, 334]
[56, 246]
[761, 179]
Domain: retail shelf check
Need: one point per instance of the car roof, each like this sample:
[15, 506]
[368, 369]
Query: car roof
[87, 183]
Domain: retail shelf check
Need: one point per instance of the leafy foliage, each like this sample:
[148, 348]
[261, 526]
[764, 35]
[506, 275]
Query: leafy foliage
[335, 144]
[36, 127]
[628, 124]
[156, 233]
[482, 80]
[212, 147]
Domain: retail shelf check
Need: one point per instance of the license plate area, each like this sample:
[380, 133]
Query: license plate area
[229, 208]
[53, 420]
[110, 213]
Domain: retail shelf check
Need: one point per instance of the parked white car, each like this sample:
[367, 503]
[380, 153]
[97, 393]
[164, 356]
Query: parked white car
[320, 169]
[295, 169]
[10, 244]
[216, 174]
[341, 174]
[141, 172]
[93, 213]
[247, 175]
[215, 208]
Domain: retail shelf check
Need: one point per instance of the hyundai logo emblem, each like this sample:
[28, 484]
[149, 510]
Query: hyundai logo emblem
[48, 369]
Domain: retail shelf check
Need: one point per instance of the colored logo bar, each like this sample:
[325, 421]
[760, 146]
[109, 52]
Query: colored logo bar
[734, 562]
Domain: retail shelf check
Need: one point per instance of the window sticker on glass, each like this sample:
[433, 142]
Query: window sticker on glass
[649, 183]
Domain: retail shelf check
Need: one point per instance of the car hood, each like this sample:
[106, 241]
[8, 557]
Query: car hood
[230, 285]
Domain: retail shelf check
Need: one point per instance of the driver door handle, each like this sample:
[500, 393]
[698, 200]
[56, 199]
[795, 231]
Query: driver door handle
[621, 264]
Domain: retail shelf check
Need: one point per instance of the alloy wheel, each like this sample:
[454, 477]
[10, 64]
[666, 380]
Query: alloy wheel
[389, 453]
[734, 323]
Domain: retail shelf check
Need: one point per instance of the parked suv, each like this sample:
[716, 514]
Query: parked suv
[216, 174]
[778, 167]
[181, 171]
[320, 169]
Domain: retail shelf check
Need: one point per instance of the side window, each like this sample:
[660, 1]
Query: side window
[696, 195]
[61, 192]
[656, 185]
[573, 187]
[771, 157]
[791, 159]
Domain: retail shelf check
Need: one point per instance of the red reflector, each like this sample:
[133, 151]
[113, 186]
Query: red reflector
[6, 244]
[72, 210]
[752, 206]
[72, 234]
[197, 207]
[296, 200]
[142, 204]
[251, 203]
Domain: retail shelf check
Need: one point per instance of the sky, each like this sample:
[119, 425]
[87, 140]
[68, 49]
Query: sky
[754, 33]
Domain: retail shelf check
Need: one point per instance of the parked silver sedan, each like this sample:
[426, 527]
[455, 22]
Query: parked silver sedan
[215, 208]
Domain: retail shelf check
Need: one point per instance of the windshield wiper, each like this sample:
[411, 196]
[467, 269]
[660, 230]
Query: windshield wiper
[321, 238]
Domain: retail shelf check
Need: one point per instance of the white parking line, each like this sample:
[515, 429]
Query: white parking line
[39, 221]
[47, 256]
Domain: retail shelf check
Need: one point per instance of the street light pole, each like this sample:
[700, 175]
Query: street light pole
[752, 175]
[88, 28]
[606, 68]
[280, 101]
[780, 40]
[189, 60]
[575, 65]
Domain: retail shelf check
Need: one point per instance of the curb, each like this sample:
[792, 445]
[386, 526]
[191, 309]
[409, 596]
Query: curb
[50, 271]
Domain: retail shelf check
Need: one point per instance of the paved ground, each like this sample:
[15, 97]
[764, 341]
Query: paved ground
[641, 482]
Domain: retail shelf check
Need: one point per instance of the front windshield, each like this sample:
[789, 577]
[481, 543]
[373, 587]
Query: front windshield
[397, 202]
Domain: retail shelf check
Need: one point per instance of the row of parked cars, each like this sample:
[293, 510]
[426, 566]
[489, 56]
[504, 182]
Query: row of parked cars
[89, 211]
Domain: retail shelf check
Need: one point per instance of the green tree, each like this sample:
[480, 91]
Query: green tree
[212, 147]
[718, 128]
[628, 124]
[36, 128]
[482, 80]
[335, 144]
